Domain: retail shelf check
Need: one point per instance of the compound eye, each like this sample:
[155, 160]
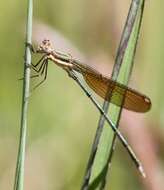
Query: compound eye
[46, 42]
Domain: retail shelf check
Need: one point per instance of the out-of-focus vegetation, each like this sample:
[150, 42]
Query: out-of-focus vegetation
[61, 120]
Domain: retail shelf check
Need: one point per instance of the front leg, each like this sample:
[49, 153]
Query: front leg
[27, 44]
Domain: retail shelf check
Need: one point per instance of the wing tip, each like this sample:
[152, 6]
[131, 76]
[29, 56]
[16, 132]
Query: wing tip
[147, 105]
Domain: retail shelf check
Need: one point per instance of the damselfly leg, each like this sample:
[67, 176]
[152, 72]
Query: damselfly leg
[42, 70]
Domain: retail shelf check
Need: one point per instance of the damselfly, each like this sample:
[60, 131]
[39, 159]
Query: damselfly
[105, 87]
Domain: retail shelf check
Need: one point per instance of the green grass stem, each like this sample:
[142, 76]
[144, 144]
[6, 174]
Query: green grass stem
[19, 174]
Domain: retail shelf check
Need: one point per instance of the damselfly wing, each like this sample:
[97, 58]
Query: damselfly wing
[113, 91]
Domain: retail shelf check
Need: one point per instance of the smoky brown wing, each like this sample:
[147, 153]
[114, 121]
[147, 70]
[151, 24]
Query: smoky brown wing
[115, 92]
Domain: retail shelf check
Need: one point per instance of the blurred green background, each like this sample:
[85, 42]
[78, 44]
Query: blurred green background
[61, 120]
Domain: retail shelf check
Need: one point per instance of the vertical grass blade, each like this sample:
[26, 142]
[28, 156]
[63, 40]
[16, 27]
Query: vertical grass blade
[104, 142]
[19, 174]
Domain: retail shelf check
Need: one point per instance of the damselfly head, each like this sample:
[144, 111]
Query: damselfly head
[45, 47]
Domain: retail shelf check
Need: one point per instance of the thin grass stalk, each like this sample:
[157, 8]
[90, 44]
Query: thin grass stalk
[94, 177]
[124, 72]
[131, 54]
[19, 174]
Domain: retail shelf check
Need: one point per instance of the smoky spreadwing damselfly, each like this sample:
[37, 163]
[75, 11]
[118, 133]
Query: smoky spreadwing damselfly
[105, 87]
